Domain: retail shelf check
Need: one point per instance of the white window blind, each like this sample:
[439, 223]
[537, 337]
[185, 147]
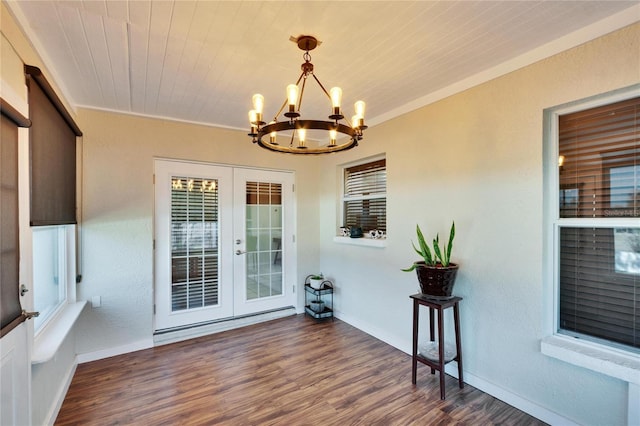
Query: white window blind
[194, 243]
[365, 196]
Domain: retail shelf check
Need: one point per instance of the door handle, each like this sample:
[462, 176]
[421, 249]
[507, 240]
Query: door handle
[29, 315]
[23, 290]
[239, 252]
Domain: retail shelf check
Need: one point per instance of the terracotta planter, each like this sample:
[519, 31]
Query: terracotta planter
[436, 281]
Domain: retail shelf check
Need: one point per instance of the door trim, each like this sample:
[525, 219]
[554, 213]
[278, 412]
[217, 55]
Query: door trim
[292, 282]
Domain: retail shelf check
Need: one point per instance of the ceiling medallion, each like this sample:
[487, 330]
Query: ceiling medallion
[292, 123]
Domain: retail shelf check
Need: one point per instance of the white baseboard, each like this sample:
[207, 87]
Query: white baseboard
[51, 417]
[391, 339]
[512, 399]
[167, 337]
[504, 395]
[118, 350]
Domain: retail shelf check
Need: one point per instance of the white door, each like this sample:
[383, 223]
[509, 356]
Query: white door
[264, 250]
[14, 377]
[15, 350]
[224, 242]
[193, 256]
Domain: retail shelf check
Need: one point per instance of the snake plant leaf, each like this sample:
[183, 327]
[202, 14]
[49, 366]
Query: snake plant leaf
[443, 256]
[411, 268]
[452, 235]
[425, 252]
[436, 249]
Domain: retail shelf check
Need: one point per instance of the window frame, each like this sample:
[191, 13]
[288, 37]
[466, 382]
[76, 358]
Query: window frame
[66, 273]
[366, 240]
[606, 357]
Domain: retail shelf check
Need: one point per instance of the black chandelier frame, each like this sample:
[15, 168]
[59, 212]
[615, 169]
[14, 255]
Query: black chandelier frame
[260, 130]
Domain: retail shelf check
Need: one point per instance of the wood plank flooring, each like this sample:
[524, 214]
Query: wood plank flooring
[290, 371]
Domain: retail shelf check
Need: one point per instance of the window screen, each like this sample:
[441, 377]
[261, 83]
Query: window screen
[52, 152]
[365, 196]
[9, 225]
[10, 308]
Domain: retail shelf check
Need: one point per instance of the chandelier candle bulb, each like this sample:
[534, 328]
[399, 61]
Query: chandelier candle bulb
[336, 99]
[332, 137]
[292, 97]
[258, 105]
[301, 136]
[272, 135]
[359, 108]
[252, 122]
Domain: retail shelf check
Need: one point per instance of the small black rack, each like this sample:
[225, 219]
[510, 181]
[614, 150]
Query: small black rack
[318, 302]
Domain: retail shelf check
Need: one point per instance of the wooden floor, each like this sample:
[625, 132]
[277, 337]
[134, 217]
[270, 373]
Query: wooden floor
[291, 371]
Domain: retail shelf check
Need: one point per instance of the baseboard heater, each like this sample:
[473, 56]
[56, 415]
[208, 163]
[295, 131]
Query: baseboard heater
[177, 334]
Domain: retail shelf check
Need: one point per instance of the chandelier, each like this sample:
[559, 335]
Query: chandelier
[266, 135]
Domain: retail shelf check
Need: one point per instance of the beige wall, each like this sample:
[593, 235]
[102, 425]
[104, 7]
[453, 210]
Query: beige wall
[476, 158]
[117, 231]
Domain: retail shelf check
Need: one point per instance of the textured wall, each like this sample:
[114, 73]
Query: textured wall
[476, 158]
[117, 235]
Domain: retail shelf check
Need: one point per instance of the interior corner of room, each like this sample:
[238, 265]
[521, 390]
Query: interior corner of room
[147, 214]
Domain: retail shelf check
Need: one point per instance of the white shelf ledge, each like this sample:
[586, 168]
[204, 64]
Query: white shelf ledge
[49, 340]
[366, 242]
[584, 354]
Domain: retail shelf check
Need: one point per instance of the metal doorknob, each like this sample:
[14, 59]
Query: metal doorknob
[239, 252]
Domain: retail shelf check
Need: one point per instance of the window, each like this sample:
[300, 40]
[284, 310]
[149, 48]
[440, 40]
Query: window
[52, 166]
[595, 224]
[365, 196]
[53, 270]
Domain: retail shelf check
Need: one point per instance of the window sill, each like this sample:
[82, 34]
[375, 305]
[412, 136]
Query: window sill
[593, 357]
[50, 339]
[366, 242]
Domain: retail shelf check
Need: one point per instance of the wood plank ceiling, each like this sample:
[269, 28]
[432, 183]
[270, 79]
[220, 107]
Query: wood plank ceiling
[201, 61]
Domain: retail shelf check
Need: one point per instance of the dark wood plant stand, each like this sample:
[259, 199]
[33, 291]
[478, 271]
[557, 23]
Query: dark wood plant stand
[440, 306]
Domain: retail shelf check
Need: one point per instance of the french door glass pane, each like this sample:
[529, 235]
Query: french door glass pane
[264, 239]
[194, 243]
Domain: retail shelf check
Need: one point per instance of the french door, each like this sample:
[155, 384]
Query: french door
[224, 242]
[263, 222]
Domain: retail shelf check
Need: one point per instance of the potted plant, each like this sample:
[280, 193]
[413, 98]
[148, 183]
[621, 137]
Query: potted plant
[315, 281]
[436, 273]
